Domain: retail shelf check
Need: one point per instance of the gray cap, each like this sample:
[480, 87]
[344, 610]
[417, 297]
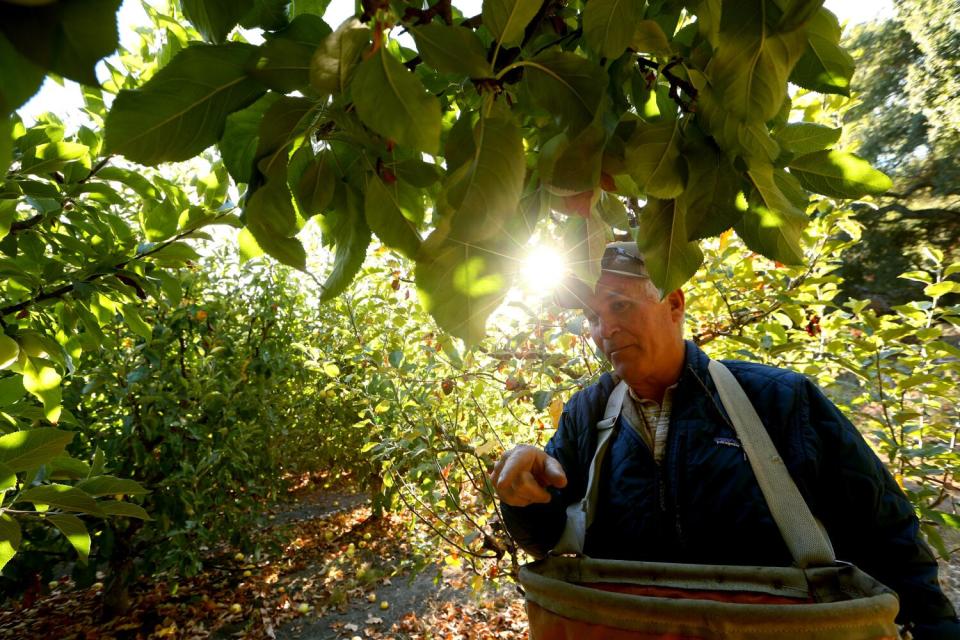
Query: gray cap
[621, 258]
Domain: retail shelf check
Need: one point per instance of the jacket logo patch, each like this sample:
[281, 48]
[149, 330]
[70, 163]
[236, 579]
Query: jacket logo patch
[728, 442]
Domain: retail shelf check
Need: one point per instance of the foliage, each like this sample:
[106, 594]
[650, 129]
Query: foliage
[494, 122]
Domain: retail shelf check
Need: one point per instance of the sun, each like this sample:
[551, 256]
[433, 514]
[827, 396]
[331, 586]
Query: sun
[543, 269]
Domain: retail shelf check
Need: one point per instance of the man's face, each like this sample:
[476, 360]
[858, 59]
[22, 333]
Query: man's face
[639, 334]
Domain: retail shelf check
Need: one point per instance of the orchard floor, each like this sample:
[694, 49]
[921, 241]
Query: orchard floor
[338, 574]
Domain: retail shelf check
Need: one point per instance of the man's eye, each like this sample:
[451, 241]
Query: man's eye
[620, 306]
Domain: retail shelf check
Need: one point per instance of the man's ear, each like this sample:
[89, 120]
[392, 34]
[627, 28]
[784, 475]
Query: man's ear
[677, 304]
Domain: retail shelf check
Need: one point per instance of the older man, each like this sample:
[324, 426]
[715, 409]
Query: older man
[675, 485]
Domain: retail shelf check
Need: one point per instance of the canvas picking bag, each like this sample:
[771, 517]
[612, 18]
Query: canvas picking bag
[572, 597]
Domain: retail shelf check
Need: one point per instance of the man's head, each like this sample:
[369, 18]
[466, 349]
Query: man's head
[639, 333]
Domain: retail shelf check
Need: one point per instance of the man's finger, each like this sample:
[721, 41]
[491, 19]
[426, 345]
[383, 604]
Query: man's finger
[553, 473]
[527, 489]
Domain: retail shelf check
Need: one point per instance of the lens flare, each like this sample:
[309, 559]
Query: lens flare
[542, 270]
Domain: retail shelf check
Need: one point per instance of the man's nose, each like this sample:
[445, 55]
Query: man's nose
[608, 326]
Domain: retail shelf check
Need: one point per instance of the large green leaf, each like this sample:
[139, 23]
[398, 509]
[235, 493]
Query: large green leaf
[824, 66]
[566, 85]
[61, 496]
[283, 62]
[610, 25]
[662, 236]
[393, 102]
[772, 225]
[735, 136]
[806, 137]
[709, 201]
[390, 210]
[9, 539]
[348, 227]
[572, 166]
[182, 110]
[652, 158]
[125, 509]
[452, 49]
[9, 351]
[214, 19]
[506, 19]
[315, 186]
[67, 37]
[6, 151]
[336, 58]
[75, 531]
[11, 390]
[241, 136]
[838, 175]
[484, 192]
[110, 485]
[51, 156]
[158, 219]
[21, 79]
[648, 37]
[750, 66]
[43, 381]
[266, 14]
[8, 477]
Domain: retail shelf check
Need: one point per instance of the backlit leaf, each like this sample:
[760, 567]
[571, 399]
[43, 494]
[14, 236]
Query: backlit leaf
[824, 66]
[452, 49]
[9, 351]
[653, 159]
[75, 531]
[387, 208]
[566, 85]
[238, 145]
[610, 25]
[662, 236]
[109, 485]
[9, 539]
[43, 381]
[125, 509]
[61, 496]
[838, 175]
[182, 110]
[348, 227]
[337, 57]
[394, 103]
[648, 37]
[214, 19]
[506, 19]
[806, 137]
[710, 196]
[771, 225]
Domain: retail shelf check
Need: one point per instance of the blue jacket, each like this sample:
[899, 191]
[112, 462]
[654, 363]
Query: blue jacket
[703, 504]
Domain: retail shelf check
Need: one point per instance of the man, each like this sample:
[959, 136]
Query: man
[675, 485]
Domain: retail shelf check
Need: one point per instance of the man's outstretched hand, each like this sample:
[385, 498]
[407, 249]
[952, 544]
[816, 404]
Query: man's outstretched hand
[523, 474]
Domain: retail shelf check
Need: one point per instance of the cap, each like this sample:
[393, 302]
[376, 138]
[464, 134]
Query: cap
[621, 258]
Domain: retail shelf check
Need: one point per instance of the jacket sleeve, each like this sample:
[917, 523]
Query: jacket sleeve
[871, 522]
[537, 528]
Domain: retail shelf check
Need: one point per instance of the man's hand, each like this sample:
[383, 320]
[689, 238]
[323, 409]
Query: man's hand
[522, 475]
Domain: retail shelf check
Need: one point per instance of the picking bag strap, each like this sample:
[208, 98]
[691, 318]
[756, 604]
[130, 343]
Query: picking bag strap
[580, 514]
[808, 542]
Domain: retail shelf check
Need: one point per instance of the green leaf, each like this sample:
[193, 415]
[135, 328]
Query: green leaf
[65, 467]
[566, 85]
[241, 137]
[42, 381]
[8, 478]
[109, 485]
[22, 450]
[348, 227]
[452, 50]
[61, 496]
[175, 254]
[9, 539]
[838, 175]
[266, 14]
[182, 110]
[573, 166]
[750, 66]
[391, 214]
[21, 79]
[394, 103]
[249, 249]
[610, 25]
[806, 137]
[67, 37]
[288, 251]
[75, 531]
[49, 157]
[315, 187]
[824, 66]
[269, 211]
[734, 135]
[158, 219]
[11, 390]
[662, 236]
[709, 199]
[125, 509]
[653, 160]
[648, 37]
[214, 19]
[284, 61]
[9, 351]
[772, 225]
[939, 289]
[336, 58]
[131, 315]
[506, 19]
[6, 152]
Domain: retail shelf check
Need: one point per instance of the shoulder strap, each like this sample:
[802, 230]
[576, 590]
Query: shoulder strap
[580, 514]
[808, 542]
